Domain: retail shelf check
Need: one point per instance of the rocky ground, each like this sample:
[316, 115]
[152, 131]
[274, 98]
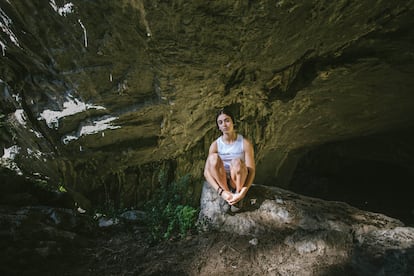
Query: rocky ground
[277, 232]
[128, 252]
[125, 249]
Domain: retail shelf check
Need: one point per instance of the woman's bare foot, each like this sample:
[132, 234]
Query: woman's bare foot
[227, 196]
[236, 197]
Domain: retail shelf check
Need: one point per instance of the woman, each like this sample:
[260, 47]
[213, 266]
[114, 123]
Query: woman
[230, 166]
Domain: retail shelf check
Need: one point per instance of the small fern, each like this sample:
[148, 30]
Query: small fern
[168, 214]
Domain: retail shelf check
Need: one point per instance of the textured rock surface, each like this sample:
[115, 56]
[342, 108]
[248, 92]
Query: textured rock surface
[278, 233]
[315, 233]
[152, 73]
[105, 97]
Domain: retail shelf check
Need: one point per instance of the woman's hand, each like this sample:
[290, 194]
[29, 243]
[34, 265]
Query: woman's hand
[227, 196]
[238, 196]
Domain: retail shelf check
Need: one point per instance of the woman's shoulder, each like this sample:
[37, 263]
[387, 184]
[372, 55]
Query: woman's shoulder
[241, 137]
[213, 147]
[246, 141]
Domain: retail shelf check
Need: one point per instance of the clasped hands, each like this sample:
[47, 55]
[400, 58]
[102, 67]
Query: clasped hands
[234, 198]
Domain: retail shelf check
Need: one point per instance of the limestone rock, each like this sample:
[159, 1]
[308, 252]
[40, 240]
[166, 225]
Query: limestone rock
[105, 98]
[314, 230]
[99, 96]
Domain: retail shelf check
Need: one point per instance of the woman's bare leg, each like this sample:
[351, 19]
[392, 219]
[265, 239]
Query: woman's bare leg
[214, 173]
[238, 172]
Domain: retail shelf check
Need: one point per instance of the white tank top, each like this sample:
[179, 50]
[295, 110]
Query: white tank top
[228, 152]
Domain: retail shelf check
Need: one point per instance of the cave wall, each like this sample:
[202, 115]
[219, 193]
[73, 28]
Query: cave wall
[103, 96]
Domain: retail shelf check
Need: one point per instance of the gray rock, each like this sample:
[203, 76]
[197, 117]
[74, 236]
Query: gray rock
[133, 215]
[371, 243]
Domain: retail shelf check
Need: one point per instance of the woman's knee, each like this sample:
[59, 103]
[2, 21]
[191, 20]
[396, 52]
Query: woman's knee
[238, 165]
[214, 160]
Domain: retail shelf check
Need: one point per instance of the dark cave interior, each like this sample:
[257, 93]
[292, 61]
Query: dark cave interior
[373, 173]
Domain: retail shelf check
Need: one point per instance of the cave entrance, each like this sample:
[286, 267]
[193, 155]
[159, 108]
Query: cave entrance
[372, 173]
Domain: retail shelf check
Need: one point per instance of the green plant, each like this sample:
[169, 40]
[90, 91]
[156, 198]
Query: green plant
[168, 213]
[62, 189]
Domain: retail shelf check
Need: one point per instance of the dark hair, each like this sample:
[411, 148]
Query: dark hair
[226, 111]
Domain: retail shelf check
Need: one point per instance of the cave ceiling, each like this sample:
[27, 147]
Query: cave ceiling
[96, 87]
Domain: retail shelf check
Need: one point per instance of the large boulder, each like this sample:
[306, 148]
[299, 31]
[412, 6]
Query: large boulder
[314, 232]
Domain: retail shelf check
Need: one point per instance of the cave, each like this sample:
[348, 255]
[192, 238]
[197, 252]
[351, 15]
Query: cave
[373, 173]
[102, 103]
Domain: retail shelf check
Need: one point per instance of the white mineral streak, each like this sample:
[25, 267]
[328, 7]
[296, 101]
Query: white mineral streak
[62, 11]
[3, 48]
[7, 159]
[70, 107]
[10, 153]
[141, 8]
[38, 134]
[17, 98]
[20, 117]
[84, 33]
[5, 24]
[98, 126]
[34, 153]
[94, 127]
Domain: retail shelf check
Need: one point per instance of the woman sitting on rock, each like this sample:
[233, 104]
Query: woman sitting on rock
[230, 165]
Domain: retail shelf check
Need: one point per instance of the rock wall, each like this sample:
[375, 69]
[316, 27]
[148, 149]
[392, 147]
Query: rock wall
[102, 96]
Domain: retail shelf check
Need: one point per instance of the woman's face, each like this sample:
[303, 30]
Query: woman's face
[225, 123]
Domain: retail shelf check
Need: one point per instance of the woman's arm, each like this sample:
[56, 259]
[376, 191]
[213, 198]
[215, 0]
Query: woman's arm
[250, 164]
[207, 173]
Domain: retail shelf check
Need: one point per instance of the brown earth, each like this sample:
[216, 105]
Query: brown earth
[128, 252]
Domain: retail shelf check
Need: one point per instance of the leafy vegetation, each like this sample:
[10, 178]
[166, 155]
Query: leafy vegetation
[169, 214]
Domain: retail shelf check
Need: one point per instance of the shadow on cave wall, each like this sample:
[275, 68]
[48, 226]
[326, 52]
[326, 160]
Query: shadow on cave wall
[373, 173]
